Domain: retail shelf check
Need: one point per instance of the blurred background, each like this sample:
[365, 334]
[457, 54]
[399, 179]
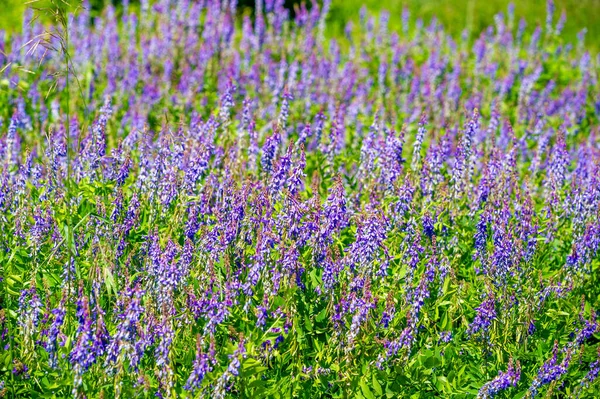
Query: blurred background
[455, 15]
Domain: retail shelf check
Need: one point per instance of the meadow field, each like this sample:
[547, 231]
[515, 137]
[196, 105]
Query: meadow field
[202, 199]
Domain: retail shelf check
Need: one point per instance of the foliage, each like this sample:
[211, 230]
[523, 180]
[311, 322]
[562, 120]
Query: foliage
[197, 203]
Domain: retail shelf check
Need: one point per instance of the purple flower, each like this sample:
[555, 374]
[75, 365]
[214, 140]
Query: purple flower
[428, 225]
[389, 312]
[551, 371]
[99, 133]
[421, 130]
[278, 341]
[165, 334]
[393, 160]
[304, 134]
[55, 335]
[592, 374]
[559, 162]
[369, 151]
[370, 235]
[202, 366]
[130, 339]
[43, 223]
[262, 313]
[531, 328]
[13, 140]
[30, 313]
[589, 328]
[405, 198]
[285, 111]
[84, 353]
[481, 234]
[221, 386]
[335, 210]
[485, 314]
[445, 336]
[549, 15]
[295, 180]
[503, 381]
[124, 171]
[269, 150]
[227, 103]
[280, 174]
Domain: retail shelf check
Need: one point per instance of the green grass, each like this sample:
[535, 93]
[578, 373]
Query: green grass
[476, 15]
[455, 15]
[11, 14]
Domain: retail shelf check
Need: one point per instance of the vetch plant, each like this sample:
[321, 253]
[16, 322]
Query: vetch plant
[199, 201]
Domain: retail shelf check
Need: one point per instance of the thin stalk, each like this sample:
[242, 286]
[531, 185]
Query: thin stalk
[65, 50]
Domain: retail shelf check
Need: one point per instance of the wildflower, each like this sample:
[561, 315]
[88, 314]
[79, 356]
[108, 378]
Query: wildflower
[551, 371]
[416, 156]
[503, 381]
[232, 371]
[269, 149]
[486, 313]
[592, 374]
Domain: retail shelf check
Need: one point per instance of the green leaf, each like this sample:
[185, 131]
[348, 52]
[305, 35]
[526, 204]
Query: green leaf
[365, 390]
[322, 315]
[253, 366]
[377, 386]
[109, 280]
[308, 323]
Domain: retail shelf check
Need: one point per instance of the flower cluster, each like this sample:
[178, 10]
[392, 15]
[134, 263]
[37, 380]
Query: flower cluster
[207, 201]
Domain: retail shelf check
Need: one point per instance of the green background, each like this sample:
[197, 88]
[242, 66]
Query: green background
[454, 15]
[477, 15]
